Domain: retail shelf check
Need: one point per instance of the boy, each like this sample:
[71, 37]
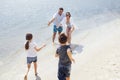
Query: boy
[65, 58]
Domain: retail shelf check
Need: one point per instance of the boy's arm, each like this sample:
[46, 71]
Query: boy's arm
[56, 55]
[69, 53]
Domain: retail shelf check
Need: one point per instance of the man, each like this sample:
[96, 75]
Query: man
[56, 20]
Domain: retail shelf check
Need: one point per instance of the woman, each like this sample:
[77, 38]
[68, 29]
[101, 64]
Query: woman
[68, 23]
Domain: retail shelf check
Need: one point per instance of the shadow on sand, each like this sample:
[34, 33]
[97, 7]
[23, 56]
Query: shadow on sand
[38, 77]
[76, 48]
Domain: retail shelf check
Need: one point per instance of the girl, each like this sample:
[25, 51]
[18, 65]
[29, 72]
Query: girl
[67, 21]
[31, 49]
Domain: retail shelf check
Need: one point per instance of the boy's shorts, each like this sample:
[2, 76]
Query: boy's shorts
[63, 72]
[31, 59]
[59, 29]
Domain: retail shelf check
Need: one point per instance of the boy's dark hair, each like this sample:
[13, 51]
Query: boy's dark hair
[28, 38]
[61, 8]
[62, 38]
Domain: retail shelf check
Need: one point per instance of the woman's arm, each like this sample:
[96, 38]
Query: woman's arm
[72, 29]
[73, 26]
[69, 53]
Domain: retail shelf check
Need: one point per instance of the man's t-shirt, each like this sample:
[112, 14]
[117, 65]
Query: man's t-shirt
[58, 19]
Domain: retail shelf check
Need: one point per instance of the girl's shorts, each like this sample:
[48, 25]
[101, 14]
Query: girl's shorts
[31, 59]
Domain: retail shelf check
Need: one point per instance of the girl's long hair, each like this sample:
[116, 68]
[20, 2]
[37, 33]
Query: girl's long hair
[28, 38]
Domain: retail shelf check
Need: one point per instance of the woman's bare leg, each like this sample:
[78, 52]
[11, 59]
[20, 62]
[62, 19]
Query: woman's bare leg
[68, 35]
[69, 38]
[53, 38]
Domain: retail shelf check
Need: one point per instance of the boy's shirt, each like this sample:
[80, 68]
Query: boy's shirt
[63, 56]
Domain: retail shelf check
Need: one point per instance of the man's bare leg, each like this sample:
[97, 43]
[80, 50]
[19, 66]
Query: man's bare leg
[53, 38]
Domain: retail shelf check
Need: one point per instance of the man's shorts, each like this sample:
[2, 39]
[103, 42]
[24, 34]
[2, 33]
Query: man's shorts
[31, 59]
[59, 29]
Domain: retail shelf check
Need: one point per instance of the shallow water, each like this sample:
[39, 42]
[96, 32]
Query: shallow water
[18, 17]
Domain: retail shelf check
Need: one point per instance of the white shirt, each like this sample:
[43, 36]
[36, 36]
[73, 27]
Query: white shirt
[58, 18]
[31, 52]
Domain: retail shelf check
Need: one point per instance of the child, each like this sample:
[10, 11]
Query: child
[31, 49]
[65, 58]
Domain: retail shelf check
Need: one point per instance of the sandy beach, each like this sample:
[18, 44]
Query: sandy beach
[97, 57]
[95, 44]
[100, 57]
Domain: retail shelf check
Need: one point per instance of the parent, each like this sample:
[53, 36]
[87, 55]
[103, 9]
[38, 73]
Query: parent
[56, 20]
[70, 26]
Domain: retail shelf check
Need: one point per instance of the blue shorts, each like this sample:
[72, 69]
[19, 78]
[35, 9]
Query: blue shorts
[59, 29]
[63, 72]
[31, 59]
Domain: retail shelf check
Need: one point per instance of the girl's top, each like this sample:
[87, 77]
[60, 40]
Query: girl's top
[31, 52]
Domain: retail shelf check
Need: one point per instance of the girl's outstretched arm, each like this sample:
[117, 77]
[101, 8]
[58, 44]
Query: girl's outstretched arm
[38, 49]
